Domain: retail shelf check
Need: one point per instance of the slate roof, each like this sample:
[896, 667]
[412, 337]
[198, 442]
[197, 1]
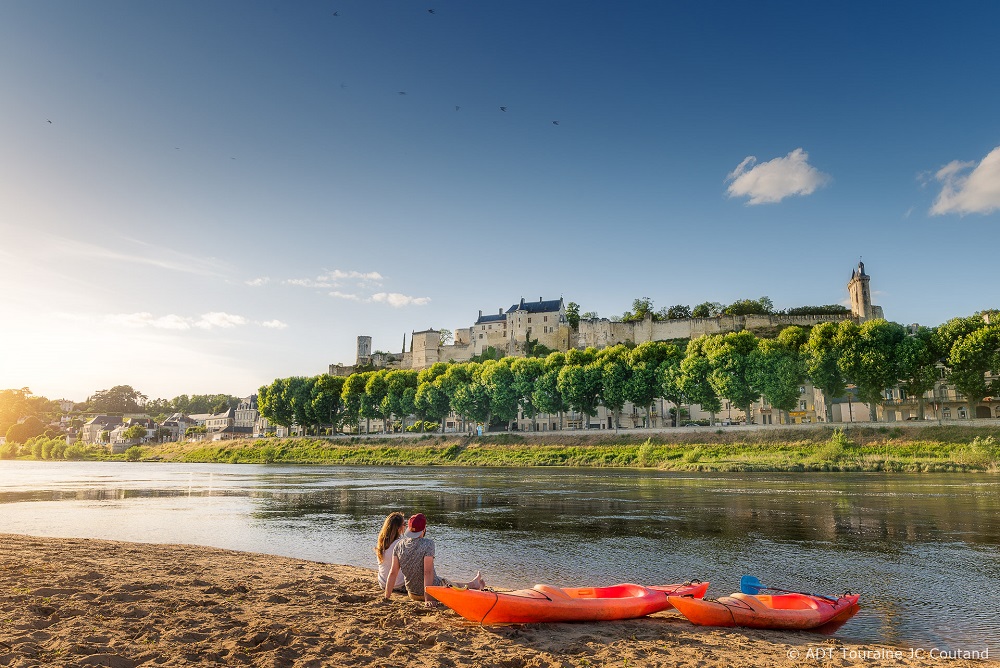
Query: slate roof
[537, 307]
[499, 317]
[106, 420]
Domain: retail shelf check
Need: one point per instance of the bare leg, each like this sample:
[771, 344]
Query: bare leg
[477, 582]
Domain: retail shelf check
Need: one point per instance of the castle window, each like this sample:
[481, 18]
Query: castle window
[545, 318]
[529, 320]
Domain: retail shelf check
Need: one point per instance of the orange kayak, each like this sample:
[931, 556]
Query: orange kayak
[784, 611]
[545, 603]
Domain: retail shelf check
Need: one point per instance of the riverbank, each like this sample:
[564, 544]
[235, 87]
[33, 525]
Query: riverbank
[82, 602]
[884, 448]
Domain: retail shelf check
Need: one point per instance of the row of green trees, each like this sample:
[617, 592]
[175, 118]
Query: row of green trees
[738, 367]
[126, 399]
[46, 447]
[643, 307]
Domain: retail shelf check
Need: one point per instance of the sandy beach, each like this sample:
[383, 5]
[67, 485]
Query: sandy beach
[83, 602]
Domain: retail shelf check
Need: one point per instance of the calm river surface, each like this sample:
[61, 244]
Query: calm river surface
[923, 550]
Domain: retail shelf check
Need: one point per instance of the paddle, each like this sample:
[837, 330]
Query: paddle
[751, 585]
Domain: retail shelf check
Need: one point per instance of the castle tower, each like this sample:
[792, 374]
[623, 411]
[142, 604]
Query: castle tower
[861, 296]
[364, 351]
[425, 347]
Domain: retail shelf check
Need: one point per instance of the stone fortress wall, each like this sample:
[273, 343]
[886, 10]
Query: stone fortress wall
[545, 322]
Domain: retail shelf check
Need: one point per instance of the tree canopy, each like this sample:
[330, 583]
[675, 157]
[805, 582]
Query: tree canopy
[738, 366]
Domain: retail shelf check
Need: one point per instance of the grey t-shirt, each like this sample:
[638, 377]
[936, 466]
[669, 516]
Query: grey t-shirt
[411, 553]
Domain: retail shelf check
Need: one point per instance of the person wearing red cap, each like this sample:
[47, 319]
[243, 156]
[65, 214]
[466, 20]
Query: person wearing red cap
[414, 558]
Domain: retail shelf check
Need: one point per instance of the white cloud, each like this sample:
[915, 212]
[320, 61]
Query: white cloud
[964, 191]
[338, 275]
[308, 283]
[258, 282]
[776, 179]
[178, 322]
[397, 300]
[335, 278]
[145, 319]
[220, 319]
[345, 295]
[355, 286]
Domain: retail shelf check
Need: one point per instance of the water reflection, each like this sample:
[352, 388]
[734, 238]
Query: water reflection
[902, 541]
[858, 513]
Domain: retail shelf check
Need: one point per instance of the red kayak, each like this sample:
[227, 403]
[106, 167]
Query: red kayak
[545, 603]
[784, 611]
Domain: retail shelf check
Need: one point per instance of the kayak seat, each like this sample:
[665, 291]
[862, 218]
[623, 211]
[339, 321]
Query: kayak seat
[553, 593]
[754, 602]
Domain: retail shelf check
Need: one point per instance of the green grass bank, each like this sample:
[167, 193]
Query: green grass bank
[893, 449]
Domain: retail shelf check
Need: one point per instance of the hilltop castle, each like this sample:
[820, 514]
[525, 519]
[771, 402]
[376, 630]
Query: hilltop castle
[544, 322]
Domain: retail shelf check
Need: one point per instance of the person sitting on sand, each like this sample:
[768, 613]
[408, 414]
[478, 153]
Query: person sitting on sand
[388, 538]
[414, 558]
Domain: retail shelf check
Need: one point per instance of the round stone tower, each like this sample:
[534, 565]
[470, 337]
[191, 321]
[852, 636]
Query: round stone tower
[861, 296]
[364, 351]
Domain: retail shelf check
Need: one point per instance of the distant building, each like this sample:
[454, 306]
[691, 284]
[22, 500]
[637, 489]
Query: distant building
[95, 426]
[119, 443]
[246, 414]
[218, 422]
[861, 297]
[175, 427]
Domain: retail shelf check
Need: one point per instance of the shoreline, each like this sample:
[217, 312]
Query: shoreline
[86, 602]
[911, 449]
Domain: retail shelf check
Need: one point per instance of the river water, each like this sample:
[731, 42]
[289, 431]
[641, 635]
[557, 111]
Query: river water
[923, 550]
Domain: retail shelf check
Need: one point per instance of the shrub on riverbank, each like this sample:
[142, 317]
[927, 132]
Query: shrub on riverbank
[45, 448]
[819, 449]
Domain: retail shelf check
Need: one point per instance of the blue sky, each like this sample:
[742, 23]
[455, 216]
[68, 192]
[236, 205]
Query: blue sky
[200, 197]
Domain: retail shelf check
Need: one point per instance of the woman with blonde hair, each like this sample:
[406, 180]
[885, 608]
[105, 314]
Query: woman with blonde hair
[391, 533]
